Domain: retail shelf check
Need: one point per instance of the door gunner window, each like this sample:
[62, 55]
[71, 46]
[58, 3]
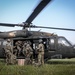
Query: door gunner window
[52, 44]
[52, 41]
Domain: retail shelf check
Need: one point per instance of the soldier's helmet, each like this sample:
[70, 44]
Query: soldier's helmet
[8, 40]
[40, 40]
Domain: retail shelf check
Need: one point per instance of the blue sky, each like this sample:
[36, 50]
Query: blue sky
[59, 13]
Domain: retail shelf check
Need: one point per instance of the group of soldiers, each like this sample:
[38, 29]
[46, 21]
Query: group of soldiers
[23, 48]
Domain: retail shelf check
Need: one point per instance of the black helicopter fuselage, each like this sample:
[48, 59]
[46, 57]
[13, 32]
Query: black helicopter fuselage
[15, 33]
[55, 46]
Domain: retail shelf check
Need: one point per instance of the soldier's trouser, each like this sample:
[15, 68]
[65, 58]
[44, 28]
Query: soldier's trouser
[15, 51]
[13, 59]
[24, 52]
[28, 60]
[19, 51]
[40, 58]
[8, 58]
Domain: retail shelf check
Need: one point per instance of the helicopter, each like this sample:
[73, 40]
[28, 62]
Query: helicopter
[55, 46]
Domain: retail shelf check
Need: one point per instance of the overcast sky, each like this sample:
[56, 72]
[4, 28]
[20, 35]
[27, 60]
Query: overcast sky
[59, 13]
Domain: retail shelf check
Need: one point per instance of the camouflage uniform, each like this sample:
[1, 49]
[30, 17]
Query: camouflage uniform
[13, 59]
[24, 48]
[40, 53]
[27, 51]
[15, 50]
[8, 51]
[18, 47]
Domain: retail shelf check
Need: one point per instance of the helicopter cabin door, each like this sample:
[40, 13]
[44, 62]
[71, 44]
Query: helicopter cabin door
[52, 47]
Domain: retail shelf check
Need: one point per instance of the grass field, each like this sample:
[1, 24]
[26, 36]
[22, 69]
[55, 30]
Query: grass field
[53, 67]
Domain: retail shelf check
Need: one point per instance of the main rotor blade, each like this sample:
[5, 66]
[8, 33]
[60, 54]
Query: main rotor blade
[37, 10]
[67, 29]
[9, 25]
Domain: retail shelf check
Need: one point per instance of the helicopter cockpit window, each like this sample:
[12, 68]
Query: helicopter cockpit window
[62, 41]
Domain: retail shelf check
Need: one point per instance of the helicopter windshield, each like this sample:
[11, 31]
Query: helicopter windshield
[63, 41]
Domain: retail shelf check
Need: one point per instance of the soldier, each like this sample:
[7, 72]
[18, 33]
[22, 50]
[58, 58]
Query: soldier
[27, 51]
[8, 51]
[18, 47]
[15, 49]
[40, 52]
[24, 48]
